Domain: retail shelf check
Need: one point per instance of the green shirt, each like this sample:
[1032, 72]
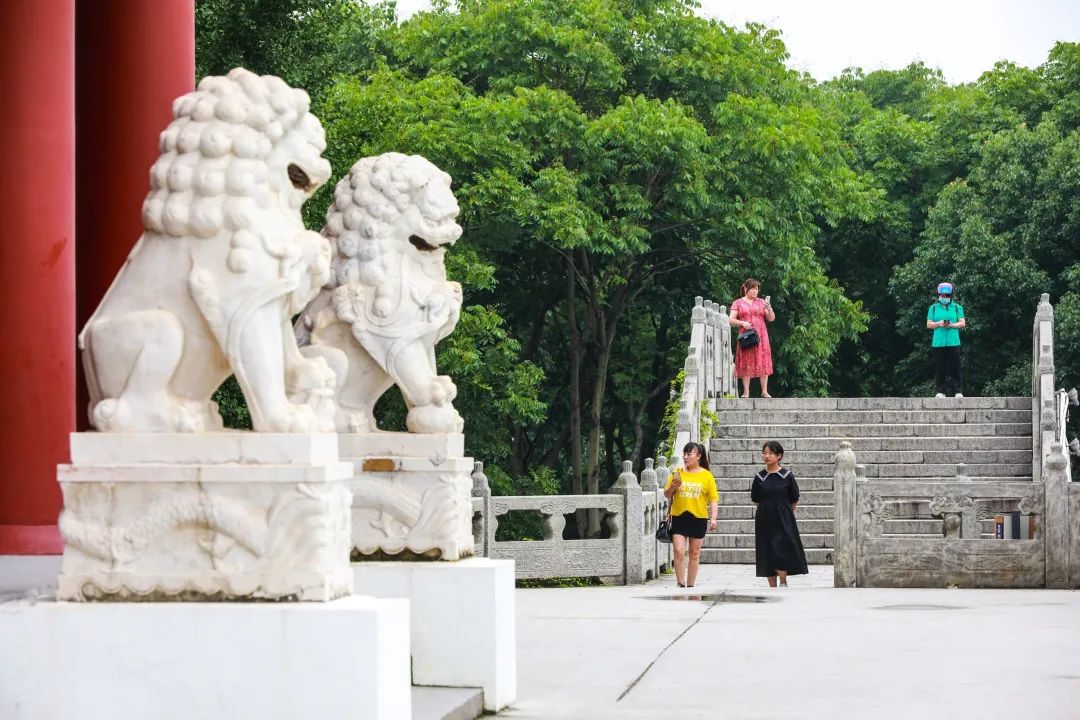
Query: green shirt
[945, 336]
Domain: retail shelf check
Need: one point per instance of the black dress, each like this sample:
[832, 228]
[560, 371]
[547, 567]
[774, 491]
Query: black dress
[776, 537]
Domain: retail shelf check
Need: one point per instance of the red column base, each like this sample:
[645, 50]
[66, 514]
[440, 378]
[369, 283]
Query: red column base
[30, 540]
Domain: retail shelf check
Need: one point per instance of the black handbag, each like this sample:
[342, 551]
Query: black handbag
[663, 531]
[748, 338]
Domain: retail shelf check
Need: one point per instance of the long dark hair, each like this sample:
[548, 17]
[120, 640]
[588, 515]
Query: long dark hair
[749, 285]
[702, 452]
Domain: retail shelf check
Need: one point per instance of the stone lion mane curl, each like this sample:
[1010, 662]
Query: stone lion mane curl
[212, 174]
[377, 191]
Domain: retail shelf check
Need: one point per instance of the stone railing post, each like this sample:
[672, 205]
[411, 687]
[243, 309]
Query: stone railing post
[649, 484]
[633, 524]
[845, 542]
[1043, 411]
[725, 363]
[1056, 519]
[484, 530]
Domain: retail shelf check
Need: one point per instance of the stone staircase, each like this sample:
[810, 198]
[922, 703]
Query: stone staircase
[909, 438]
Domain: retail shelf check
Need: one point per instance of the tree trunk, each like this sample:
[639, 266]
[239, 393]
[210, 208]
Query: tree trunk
[574, 350]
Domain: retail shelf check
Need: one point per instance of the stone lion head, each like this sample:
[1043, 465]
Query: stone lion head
[239, 148]
[389, 207]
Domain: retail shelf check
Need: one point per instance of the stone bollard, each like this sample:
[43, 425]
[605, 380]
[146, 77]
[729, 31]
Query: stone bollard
[845, 542]
[1056, 520]
[484, 526]
[633, 524]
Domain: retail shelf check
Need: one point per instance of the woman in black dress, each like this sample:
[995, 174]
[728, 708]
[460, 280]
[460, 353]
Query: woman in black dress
[775, 494]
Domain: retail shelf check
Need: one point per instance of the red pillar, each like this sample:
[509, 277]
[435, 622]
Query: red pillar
[37, 267]
[135, 58]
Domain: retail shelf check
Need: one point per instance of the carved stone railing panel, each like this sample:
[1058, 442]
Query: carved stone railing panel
[959, 556]
[867, 557]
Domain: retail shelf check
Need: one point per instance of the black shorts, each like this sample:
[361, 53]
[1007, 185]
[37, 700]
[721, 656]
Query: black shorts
[689, 525]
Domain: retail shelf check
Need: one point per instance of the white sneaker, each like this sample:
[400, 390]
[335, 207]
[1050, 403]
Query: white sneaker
[958, 395]
[940, 395]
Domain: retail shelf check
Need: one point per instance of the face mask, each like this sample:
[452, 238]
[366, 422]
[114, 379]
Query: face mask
[944, 300]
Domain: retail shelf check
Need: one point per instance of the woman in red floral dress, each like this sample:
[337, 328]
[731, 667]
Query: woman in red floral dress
[746, 312]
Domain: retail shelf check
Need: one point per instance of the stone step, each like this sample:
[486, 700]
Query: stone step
[736, 484]
[745, 556]
[746, 526]
[746, 540]
[884, 470]
[875, 403]
[746, 512]
[883, 430]
[806, 498]
[839, 417]
[796, 458]
[863, 444]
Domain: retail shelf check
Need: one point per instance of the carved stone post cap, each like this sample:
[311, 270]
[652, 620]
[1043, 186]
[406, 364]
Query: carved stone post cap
[845, 456]
[699, 301]
[1056, 460]
[626, 479]
[648, 463]
[860, 471]
[480, 485]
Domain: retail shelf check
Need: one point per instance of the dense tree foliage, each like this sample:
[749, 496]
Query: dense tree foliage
[615, 158]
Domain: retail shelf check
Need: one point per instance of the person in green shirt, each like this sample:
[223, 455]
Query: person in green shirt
[946, 319]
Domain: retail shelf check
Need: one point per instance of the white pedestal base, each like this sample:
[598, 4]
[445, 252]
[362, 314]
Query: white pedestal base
[463, 621]
[344, 659]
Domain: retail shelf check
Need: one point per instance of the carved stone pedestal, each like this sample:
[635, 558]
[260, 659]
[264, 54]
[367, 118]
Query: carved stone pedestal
[411, 495]
[209, 516]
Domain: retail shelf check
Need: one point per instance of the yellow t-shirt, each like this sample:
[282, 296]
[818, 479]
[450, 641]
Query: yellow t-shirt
[697, 491]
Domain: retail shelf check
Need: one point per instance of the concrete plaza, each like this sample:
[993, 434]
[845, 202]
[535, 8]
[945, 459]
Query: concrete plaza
[806, 651]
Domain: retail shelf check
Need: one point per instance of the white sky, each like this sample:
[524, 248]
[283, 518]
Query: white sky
[962, 37]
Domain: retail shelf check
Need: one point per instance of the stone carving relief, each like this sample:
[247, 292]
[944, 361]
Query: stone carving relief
[960, 517]
[388, 301]
[284, 541]
[873, 512]
[224, 262]
[422, 513]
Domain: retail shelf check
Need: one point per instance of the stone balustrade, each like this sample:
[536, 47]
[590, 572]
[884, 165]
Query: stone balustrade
[709, 369]
[630, 510]
[867, 556]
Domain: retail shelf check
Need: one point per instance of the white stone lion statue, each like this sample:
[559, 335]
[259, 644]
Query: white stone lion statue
[388, 301]
[223, 265]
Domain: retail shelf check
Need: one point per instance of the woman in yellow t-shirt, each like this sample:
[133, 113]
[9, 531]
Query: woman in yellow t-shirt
[694, 498]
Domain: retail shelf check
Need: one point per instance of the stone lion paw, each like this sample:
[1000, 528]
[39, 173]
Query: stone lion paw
[301, 419]
[434, 419]
[443, 390]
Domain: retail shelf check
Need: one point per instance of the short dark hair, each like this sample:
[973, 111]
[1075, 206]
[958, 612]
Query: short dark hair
[702, 453]
[776, 448]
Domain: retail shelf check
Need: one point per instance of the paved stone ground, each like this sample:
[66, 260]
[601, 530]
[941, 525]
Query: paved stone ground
[807, 651]
[811, 652]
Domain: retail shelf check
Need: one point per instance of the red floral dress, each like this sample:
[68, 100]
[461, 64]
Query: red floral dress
[755, 361]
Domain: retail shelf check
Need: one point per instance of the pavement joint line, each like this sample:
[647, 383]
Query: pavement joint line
[667, 647]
